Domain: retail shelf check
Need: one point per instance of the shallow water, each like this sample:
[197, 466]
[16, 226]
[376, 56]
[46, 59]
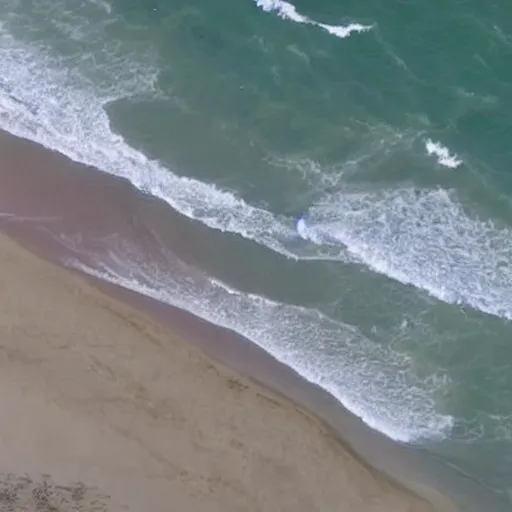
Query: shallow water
[348, 165]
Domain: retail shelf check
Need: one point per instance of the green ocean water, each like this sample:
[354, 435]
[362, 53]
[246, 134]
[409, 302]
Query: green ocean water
[347, 165]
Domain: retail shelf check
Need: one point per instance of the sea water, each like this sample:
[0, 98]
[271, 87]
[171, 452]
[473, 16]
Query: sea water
[351, 163]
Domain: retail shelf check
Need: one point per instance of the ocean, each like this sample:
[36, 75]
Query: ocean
[344, 167]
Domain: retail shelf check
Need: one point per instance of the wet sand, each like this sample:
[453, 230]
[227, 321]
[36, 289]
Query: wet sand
[97, 395]
[109, 395]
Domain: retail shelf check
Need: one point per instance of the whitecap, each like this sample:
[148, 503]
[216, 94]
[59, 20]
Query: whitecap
[444, 157]
[288, 11]
[344, 31]
[420, 237]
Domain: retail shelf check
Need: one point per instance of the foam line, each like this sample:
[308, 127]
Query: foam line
[288, 11]
[422, 238]
[374, 382]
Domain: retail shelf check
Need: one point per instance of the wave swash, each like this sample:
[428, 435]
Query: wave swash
[418, 237]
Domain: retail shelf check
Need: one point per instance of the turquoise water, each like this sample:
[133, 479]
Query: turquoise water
[349, 165]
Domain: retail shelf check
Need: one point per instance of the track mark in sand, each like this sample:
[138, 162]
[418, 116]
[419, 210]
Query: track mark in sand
[235, 384]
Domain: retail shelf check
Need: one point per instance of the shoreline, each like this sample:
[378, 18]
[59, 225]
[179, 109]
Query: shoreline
[131, 416]
[22, 194]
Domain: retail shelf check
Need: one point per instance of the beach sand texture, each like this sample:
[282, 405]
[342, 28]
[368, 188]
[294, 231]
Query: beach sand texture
[103, 409]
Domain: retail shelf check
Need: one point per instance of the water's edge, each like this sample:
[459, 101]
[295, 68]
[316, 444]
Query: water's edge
[36, 183]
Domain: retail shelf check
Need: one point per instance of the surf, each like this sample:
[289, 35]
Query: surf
[288, 11]
[444, 157]
[65, 111]
[422, 238]
[374, 382]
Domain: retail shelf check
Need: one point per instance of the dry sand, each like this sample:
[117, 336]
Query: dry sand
[104, 410]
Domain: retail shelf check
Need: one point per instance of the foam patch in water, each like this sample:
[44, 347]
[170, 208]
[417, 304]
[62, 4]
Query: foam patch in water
[422, 238]
[288, 11]
[444, 157]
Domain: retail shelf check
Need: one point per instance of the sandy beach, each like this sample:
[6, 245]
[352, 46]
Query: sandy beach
[117, 402]
[255, 255]
[121, 414]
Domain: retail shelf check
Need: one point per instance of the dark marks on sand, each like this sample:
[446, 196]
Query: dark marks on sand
[24, 493]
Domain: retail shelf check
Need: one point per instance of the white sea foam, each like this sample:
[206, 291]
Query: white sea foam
[444, 157]
[302, 228]
[423, 238]
[344, 31]
[62, 110]
[288, 11]
[370, 379]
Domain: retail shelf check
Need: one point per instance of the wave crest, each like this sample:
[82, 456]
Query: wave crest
[423, 238]
[288, 11]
